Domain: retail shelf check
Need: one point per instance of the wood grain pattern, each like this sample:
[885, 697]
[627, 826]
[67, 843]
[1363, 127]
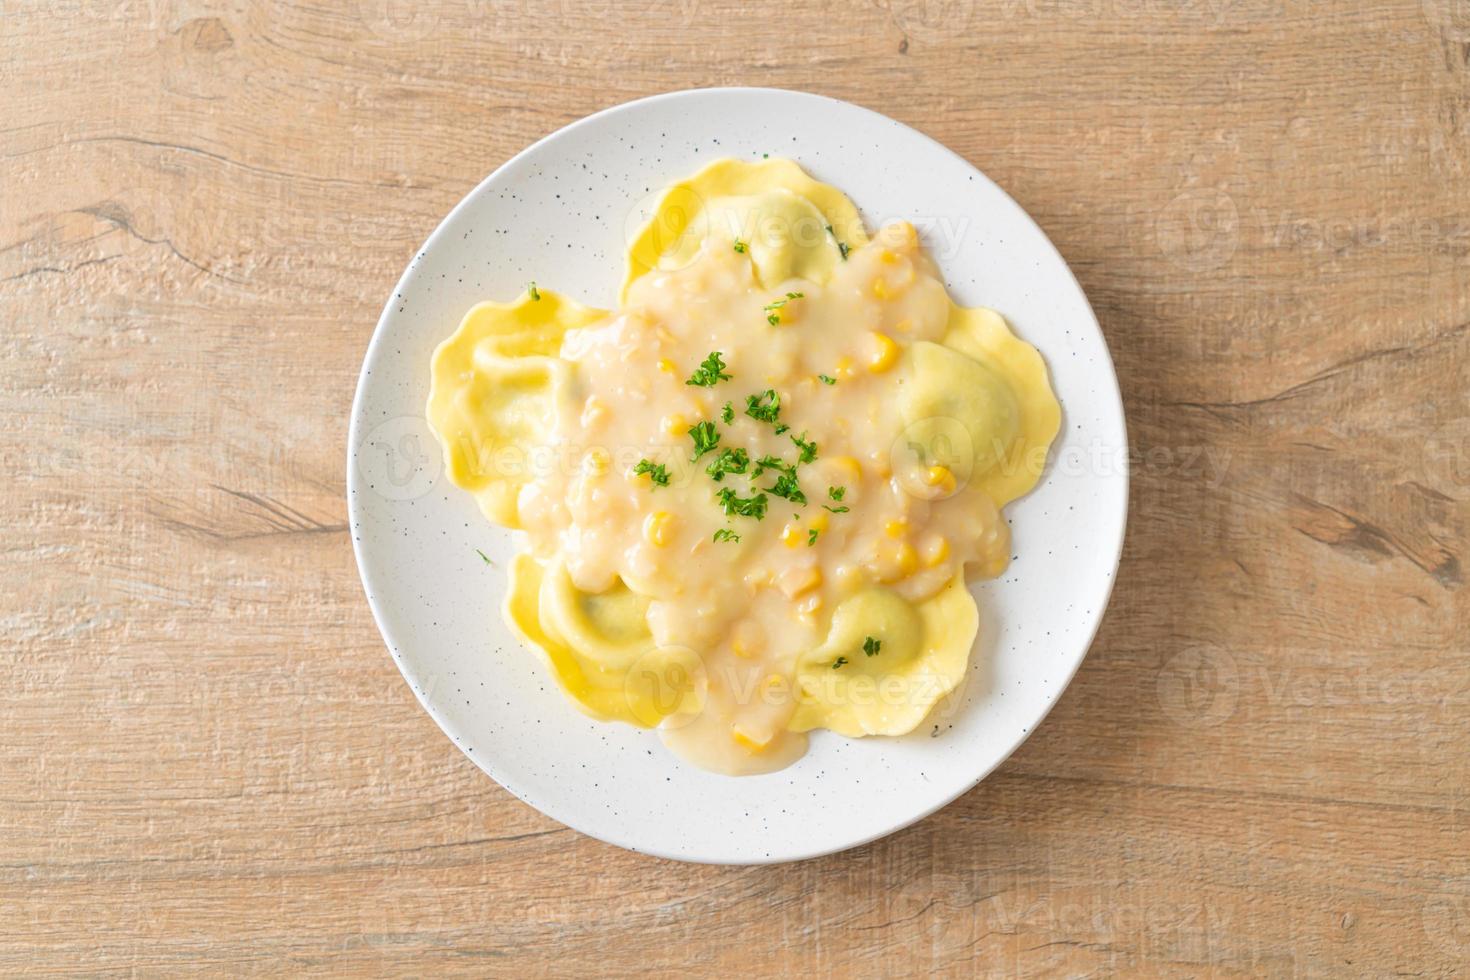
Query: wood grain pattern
[207, 763]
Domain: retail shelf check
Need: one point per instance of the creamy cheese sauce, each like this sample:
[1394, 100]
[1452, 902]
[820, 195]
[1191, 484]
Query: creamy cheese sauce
[782, 546]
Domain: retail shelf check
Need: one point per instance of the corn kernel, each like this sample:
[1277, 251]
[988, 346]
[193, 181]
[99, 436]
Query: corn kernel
[665, 365]
[885, 354]
[853, 469]
[658, 528]
[880, 289]
[904, 235]
[936, 550]
[844, 367]
[795, 581]
[791, 535]
[675, 425]
[757, 578]
[819, 522]
[774, 683]
[895, 529]
[908, 559]
[887, 257]
[748, 741]
[593, 410]
[597, 461]
[740, 649]
[941, 477]
[900, 562]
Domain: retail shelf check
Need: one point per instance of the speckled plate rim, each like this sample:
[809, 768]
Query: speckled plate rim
[379, 338]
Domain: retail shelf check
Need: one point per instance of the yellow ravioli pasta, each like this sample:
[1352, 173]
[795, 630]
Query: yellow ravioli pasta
[753, 493]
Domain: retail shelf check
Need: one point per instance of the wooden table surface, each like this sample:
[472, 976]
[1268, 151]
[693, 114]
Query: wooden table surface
[209, 763]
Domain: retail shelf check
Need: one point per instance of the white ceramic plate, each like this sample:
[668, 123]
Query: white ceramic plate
[560, 213]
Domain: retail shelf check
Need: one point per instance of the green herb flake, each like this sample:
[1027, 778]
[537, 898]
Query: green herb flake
[739, 246]
[786, 486]
[658, 473]
[837, 510]
[737, 506]
[773, 317]
[729, 461]
[842, 247]
[533, 292]
[872, 646]
[826, 379]
[484, 557]
[811, 537]
[839, 662]
[769, 462]
[725, 534]
[710, 373]
[705, 439]
[808, 449]
[837, 493]
[765, 407]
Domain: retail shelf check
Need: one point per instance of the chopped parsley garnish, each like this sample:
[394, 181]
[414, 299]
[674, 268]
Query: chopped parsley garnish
[705, 438]
[837, 493]
[808, 449]
[725, 534]
[728, 413]
[769, 462]
[658, 473]
[710, 373]
[535, 293]
[765, 407]
[836, 510]
[786, 486]
[839, 662]
[739, 246]
[842, 247]
[782, 428]
[737, 506]
[872, 646]
[729, 461]
[826, 379]
[484, 557]
[811, 537]
[773, 317]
